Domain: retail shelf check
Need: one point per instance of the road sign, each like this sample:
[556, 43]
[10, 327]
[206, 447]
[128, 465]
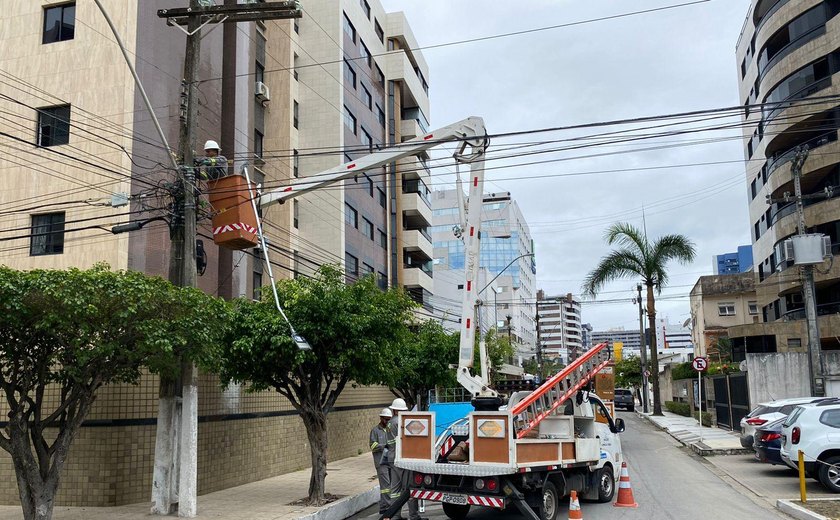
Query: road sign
[700, 364]
[647, 373]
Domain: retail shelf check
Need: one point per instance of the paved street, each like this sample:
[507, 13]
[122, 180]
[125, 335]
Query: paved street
[668, 483]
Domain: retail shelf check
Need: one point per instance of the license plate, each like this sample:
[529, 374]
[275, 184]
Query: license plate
[449, 498]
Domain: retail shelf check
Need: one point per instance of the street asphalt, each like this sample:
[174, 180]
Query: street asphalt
[669, 482]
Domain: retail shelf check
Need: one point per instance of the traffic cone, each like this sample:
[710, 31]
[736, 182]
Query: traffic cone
[574, 507]
[625, 492]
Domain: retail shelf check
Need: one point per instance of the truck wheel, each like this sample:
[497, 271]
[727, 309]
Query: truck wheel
[830, 474]
[606, 484]
[550, 501]
[456, 511]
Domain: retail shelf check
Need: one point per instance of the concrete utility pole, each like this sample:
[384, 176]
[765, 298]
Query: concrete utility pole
[539, 347]
[642, 347]
[808, 293]
[176, 440]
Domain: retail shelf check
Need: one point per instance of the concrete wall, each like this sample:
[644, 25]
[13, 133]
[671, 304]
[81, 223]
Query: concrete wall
[777, 376]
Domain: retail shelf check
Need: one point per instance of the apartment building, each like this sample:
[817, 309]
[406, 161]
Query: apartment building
[560, 329]
[284, 98]
[788, 57]
[630, 339]
[739, 261]
[507, 254]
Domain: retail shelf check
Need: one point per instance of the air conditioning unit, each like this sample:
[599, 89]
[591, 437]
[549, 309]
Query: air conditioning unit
[262, 92]
[787, 250]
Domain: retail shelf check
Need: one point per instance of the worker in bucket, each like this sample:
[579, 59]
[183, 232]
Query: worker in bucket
[212, 166]
[399, 477]
[379, 448]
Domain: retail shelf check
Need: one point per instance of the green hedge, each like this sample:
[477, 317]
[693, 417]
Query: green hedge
[685, 410]
[686, 371]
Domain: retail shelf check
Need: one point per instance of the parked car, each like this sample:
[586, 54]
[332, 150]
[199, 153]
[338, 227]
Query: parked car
[814, 429]
[768, 412]
[768, 440]
[624, 399]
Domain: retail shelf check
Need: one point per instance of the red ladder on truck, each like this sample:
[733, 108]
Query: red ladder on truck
[542, 402]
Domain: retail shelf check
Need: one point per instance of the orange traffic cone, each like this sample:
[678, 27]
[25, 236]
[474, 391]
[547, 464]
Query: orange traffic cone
[574, 507]
[625, 492]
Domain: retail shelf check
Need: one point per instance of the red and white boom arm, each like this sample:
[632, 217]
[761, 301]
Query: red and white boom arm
[469, 133]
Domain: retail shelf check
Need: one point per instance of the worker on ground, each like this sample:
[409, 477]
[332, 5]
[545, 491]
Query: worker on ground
[399, 478]
[379, 448]
[213, 166]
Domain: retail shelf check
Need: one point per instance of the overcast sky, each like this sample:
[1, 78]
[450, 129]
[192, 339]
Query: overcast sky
[657, 63]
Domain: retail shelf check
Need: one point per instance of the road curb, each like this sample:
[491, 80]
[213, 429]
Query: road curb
[346, 507]
[797, 511]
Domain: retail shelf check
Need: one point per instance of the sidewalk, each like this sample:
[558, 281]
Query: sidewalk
[702, 439]
[267, 499]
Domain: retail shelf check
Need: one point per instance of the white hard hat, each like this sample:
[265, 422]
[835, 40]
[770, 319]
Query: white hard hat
[211, 145]
[399, 404]
[386, 412]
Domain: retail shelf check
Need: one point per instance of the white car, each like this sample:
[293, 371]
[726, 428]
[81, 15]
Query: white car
[768, 412]
[814, 429]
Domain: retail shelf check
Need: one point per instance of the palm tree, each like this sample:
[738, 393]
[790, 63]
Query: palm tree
[636, 256]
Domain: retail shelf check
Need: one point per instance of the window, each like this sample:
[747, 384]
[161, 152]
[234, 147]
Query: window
[379, 32]
[367, 228]
[383, 239]
[382, 198]
[297, 25]
[295, 114]
[753, 307]
[295, 214]
[351, 216]
[380, 76]
[380, 114]
[47, 237]
[257, 285]
[59, 23]
[367, 269]
[367, 99]
[370, 185]
[259, 73]
[296, 163]
[726, 309]
[365, 8]
[295, 62]
[54, 125]
[349, 30]
[349, 74]
[831, 418]
[295, 263]
[367, 140]
[349, 120]
[351, 265]
[800, 84]
[258, 144]
[365, 52]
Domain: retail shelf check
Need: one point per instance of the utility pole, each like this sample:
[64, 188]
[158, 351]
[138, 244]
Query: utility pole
[808, 294]
[539, 348]
[642, 347]
[177, 431]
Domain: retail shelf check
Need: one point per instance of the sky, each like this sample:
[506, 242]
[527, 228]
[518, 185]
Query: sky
[663, 62]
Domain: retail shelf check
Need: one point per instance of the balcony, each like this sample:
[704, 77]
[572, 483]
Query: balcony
[417, 276]
[409, 129]
[418, 241]
[781, 158]
[399, 68]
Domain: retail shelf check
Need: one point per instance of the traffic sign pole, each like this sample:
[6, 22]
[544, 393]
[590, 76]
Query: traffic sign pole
[700, 364]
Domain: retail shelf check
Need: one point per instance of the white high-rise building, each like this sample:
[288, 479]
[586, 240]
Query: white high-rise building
[560, 328]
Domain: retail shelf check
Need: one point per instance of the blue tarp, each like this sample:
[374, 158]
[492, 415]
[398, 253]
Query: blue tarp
[448, 413]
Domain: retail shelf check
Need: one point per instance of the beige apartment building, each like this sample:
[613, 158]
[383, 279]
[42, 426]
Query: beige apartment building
[81, 155]
[788, 59]
[718, 302]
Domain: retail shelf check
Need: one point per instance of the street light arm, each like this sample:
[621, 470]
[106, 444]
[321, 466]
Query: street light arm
[502, 271]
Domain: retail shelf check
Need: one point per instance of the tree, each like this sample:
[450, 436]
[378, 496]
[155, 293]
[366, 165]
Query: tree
[354, 331]
[64, 335]
[636, 256]
[628, 372]
[422, 363]
[499, 350]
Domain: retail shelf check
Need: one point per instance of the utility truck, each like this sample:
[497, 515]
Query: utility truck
[525, 450]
